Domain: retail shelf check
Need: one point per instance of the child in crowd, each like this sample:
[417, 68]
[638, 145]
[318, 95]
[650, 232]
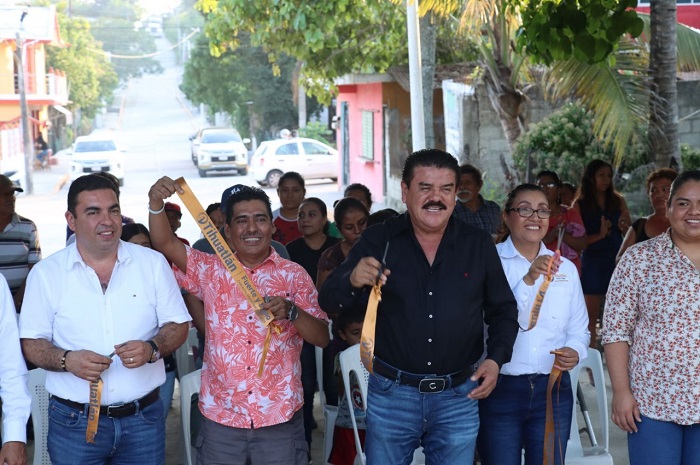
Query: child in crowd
[349, 326]
[291, 191]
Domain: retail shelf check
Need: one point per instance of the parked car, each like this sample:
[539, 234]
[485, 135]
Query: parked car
[308, 157]
[219, 149]
[94, 153]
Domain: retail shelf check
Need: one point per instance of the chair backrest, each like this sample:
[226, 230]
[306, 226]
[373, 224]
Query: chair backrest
[319, 374]
[184, 355]
[40, 415]
[189, 386]
[350, 362]
[575, 450]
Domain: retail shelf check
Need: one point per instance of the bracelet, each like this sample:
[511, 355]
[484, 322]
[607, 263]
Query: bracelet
[63, 360]
[156, 212]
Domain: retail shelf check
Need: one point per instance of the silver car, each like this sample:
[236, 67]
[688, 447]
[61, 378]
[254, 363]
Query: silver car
[219, 149]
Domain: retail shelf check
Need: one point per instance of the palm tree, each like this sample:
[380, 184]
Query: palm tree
[617, 90]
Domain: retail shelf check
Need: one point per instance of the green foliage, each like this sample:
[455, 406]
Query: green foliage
[181, 24]
[562, 143]
[225, 83]
[690, 157]
[587, 30]
[91, 77]
[317, 130]
[332, 38]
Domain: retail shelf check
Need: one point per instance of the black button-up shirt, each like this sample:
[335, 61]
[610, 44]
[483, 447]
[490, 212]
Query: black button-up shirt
[431, 317]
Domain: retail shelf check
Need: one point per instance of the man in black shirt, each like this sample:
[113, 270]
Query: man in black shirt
[442, 281]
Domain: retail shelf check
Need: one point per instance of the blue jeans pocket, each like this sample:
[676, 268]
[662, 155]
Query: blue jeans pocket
[382, 384]
[153, 414]
[463, 389]
[64, 415]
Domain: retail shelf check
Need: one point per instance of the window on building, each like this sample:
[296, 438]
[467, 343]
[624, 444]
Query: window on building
[368, 135]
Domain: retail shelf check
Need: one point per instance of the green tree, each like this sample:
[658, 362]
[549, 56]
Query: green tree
[227, 82]
[332, 38]
[91, 78]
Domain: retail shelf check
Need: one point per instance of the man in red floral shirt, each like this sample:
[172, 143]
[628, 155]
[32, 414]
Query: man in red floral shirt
[248, 419]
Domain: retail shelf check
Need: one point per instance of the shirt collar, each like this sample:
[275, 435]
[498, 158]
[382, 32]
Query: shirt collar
[73, 255]
[402, 224]
[508, 250]
[274, 259]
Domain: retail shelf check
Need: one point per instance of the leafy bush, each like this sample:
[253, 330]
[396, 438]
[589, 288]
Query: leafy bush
[317, 130]
[690, 156]
[562, 143]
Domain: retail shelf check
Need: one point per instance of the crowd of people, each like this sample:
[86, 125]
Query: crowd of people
[466, 339]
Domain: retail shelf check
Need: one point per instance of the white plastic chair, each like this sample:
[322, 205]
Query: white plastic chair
[330, 412]
[40, 415]
[349, 362]
[576, 453]
[184, 355]
[189, 386]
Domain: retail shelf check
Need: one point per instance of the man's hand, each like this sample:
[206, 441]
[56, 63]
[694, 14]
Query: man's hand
[366, 273]
[134, 354]
[488, 374]
[625, 411]
[566, 358]
[87, 364]
[161, 190]
[13, 453]
[278, 306]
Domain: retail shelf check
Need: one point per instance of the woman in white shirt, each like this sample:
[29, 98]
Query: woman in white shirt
[513, 417]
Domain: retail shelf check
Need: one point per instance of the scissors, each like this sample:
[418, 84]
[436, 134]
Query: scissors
[557, 254]
[381, 268]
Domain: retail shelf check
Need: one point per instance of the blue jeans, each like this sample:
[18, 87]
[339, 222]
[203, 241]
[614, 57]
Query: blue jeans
[663, 442]
[513, 417]
[400, 419]
[166, 391]
[136, 439]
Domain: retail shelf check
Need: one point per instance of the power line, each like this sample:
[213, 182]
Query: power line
[147, 55]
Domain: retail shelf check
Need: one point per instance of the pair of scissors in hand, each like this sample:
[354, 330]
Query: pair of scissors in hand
[383, 265]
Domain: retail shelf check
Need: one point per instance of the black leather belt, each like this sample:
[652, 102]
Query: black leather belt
[427, 384]
[116, 410]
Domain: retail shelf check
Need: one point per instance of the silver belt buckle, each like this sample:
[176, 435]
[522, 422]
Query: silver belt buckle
[431, 385]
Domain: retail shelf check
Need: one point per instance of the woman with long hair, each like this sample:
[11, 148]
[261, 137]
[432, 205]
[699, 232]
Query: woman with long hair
[658, 189]
[606, 218]
[513, 416]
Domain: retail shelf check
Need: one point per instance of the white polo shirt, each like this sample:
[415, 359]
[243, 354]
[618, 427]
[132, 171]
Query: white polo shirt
[16, 402]
[64, 304]
[563, 319]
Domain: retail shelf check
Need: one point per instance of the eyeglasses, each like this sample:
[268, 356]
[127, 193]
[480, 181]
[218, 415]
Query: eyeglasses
[527, 212]
[549, 185]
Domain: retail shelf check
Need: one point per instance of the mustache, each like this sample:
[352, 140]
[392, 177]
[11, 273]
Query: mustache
[463, 191]
[435, 204]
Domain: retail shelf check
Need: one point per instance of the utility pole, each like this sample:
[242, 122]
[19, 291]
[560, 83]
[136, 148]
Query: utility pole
[24, 115]
[415, 75]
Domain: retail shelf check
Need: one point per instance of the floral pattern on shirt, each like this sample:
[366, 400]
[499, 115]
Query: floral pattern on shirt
[232, 394]
[653, 304]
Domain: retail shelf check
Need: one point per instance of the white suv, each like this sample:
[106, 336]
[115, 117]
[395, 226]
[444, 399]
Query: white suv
[217, 149]
[308, 157]
[95, 153]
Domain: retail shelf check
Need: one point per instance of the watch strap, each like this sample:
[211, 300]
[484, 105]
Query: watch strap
[155, 355]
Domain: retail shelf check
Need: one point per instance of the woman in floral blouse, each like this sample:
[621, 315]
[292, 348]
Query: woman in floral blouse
[651, 333]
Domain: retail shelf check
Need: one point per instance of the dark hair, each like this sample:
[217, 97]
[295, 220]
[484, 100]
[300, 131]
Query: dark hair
[213, 207]
[246, 193]
[661, 173]
[685, 177]
[89, 182]
[354, 314]
[551, 174]
[381, 216]
[587, 190]
[430, 158]
[294, 176]
[568, 185]
[346, 204]
[472, 171]
[112, 178]
[360, 187]
[504, 231]
[322, 208]
[134, 229]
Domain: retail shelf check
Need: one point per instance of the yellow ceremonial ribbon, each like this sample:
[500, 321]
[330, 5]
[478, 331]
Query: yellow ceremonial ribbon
[94, 412]
[369, 326]
[232, 264]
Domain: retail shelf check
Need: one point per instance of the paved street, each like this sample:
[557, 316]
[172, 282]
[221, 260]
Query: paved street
[155, 127]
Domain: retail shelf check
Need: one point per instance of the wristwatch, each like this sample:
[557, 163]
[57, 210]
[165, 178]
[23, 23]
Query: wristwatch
[293, 312]
[155, 355]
